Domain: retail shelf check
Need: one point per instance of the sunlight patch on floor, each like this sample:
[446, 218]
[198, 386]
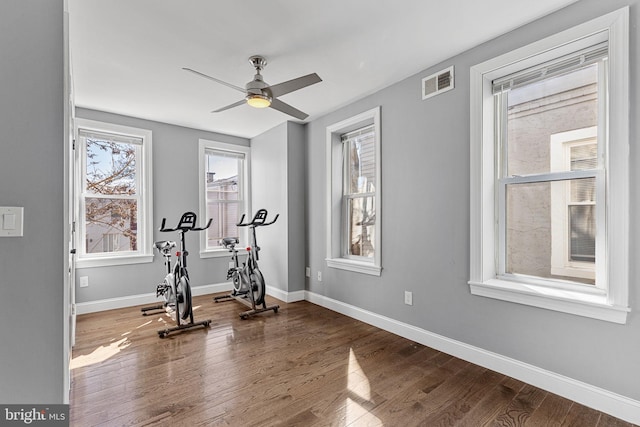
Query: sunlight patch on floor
[359, 390]
[100, 354]
[144, 324]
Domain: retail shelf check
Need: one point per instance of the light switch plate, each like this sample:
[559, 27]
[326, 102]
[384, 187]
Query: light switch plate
[11, 221]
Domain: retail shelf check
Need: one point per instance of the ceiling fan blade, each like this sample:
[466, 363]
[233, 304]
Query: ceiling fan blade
[235, 104]
[294, 84]
[276, 104]
[198, 73]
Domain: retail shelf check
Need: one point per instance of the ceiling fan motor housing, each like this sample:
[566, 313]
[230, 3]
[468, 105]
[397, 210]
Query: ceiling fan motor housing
[258, 88]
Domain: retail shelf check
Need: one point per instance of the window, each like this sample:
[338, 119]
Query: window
[359, 191]
[353, 211]
[224, 192]
[573, 252]
[114, 194]
[549, 172]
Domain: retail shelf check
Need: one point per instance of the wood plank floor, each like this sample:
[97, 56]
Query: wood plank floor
[303, 366]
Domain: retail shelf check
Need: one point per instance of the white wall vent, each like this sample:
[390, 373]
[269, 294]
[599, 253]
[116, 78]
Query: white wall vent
[437, 83]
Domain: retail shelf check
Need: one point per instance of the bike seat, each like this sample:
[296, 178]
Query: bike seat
[165, 245]
[229, 241]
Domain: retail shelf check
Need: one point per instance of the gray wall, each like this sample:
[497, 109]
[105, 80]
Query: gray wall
[277, 181]
[295, 209]
[425, 226]
[31, 175]
[175, 191]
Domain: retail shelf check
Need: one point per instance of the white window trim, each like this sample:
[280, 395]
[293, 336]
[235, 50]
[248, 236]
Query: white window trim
[203, 146]
[610, 304]
[145, 233]
[334, 176]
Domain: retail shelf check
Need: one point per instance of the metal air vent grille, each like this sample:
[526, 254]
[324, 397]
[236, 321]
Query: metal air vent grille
[437, 83]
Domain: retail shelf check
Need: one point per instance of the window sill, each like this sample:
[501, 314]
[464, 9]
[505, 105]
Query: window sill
[111, 261]
[584, 304]
[355, 266]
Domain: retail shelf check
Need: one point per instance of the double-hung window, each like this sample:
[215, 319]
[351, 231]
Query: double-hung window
[359, 193]
[549, 172]
[546, 193]
[114, 204]
[224, 191]
[353, 198]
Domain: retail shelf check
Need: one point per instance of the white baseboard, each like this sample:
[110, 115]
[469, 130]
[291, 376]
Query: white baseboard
[286, 296]
[150, 298]
[594, 397]
[132, 300]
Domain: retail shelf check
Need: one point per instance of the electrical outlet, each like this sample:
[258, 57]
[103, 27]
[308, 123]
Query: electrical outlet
[307, 272]
[408, 298]
[84, 281]
[319, 276]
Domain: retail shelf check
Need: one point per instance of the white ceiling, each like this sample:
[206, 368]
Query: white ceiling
[127, 55]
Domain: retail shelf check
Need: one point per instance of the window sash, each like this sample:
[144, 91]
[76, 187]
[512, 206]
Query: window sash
[367, 134]
[364, 135]
[347, 201]
[220, 224]
[564, 64]
[86, 194]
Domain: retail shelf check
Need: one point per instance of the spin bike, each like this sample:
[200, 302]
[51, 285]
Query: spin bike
[175, 288]
[248, 282]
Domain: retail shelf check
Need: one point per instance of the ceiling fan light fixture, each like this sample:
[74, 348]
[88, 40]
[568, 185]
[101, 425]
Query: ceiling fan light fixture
[258, 101]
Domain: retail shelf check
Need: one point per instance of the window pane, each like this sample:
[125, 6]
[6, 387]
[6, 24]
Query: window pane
[362, 164]
[111, 225]
[582, 226]
[225, 217]
[110, 167]
[583, 190]
[224, 204]
[584, 157]
[529, 229]
[540, 109]
[362, 219]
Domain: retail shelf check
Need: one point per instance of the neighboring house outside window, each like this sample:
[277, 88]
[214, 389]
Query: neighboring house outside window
[114, 189]
[573, 252]
[549, 172]
[353, 199]
[224, 193]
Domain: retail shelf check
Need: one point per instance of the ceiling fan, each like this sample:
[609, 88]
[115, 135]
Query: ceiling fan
[259, 94]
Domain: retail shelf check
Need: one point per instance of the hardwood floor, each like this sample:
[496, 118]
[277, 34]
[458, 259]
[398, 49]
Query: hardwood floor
[303, 366]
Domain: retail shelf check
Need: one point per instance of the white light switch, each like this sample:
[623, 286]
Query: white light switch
[11, 221]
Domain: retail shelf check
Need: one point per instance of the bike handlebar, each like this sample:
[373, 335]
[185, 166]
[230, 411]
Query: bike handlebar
[187, 223]
[258, 219]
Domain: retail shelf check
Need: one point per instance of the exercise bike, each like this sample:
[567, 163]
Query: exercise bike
[175, 288]
[248, 283]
